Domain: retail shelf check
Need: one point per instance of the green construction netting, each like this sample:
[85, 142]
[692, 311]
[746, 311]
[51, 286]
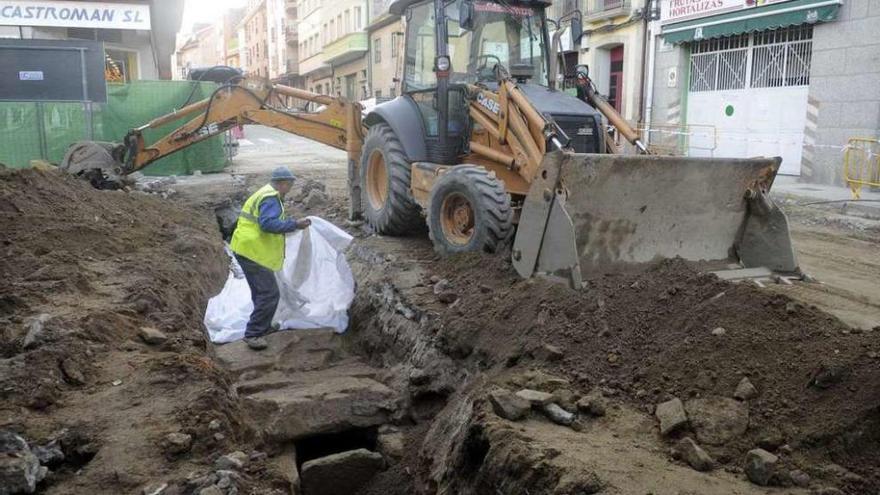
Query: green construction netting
[44, 130]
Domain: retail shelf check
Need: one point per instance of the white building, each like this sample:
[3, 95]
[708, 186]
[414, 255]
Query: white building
[789, 78]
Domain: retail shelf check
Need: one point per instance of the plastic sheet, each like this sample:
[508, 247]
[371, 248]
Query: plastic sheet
[316, 285]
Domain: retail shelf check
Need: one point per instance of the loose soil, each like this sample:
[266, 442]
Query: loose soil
[99, 265]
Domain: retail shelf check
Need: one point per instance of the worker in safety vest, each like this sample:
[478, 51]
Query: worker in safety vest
[258, 244]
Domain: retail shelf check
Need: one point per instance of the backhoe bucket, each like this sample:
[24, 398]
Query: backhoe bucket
[98, 162]
[589, 214]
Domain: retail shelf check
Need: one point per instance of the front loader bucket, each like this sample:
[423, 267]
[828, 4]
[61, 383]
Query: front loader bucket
[599, 213]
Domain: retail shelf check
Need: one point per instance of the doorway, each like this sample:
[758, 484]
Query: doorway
[615, 79]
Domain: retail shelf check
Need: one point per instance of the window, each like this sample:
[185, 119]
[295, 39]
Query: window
[326, 34]
[378, 94]
[332, 30]
[768, 59]
[392, 91]
[339, 28]
[421, 50]
[377, 50]
[357, 19]
[348, 27]
[394, 46]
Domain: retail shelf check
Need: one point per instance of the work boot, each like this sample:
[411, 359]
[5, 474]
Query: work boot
[256, 343]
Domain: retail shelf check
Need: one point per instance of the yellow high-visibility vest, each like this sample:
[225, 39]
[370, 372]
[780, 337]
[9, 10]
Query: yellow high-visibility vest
[252, 242]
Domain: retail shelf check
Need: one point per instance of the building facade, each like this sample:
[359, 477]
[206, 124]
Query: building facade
[385, 59]
[255, 25]
[614, 41]
[204, 47]
[138, 36]
[789, 78]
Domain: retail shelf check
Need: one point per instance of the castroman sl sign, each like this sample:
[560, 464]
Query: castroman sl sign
[102, 15]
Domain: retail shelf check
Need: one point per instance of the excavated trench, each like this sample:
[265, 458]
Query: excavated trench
[411, 400]
[402, 403]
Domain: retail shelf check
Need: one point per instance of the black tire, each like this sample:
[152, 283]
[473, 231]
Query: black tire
[397, 212]
[492, 220]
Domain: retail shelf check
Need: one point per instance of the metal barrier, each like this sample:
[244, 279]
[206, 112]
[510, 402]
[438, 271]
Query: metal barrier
[861, 164]
[681, 139]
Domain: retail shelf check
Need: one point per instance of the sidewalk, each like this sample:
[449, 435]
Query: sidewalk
[789, 187]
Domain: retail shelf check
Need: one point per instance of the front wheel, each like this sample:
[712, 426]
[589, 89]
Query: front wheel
[385, 184]
[469, 210]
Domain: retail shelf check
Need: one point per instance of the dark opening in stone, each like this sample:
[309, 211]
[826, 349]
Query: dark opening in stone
[318, 446]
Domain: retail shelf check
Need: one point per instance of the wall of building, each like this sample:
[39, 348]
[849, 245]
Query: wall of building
[356, 69]
[311, 43]
[844, 97]
[256, 39]
[390, 65]
[843, 92]
[603, 36]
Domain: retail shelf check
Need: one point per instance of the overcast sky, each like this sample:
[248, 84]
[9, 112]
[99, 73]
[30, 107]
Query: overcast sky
[205, 11]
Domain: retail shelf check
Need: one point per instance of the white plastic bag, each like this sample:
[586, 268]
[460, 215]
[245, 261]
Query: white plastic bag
[315, 282]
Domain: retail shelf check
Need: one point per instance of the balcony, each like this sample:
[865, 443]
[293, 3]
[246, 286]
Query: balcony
[292, 67]
[598, 10]
[350, 47]
[291, 35]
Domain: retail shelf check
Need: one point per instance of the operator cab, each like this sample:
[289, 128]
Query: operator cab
[483, 39]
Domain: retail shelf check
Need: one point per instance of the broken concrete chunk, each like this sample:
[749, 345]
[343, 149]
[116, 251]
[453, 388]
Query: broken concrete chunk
[760, 466]
[534, 397]
[557, 414]
[671, 415]
[177, 443]
[49, 454]
[508, 405]
[717, 420]
[72, 373]
[345, 472]
[719, 331]
[20, 470]
[745, 390]
[548, 353]
[441, 286]
[799, 478]
[35, 335]
[390, 444]
[593, 404]
[584, 483]
[152, 336]
[232, 461]
[694, 455]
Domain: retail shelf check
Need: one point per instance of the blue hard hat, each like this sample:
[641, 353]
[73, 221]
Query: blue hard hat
[282, 173]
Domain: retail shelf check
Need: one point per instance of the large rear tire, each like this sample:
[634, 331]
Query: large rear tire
[385, 184]
[469, 210]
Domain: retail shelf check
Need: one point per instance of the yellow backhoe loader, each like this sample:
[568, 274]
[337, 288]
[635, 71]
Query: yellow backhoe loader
[481, 144]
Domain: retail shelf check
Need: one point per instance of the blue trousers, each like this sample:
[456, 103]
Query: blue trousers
[264, 294]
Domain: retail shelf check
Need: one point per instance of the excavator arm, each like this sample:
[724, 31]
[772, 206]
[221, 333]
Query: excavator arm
[337, 124]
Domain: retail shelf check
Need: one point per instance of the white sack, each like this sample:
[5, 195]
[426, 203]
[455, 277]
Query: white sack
[315, 283]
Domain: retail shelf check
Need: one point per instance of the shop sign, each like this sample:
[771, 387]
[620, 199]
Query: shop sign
[100, 15]
[682, 10]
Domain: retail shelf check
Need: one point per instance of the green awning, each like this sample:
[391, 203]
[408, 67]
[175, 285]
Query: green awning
[774, 16]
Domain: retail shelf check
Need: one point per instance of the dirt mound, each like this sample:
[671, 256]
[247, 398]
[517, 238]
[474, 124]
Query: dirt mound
[84, 271]
[669, 331]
